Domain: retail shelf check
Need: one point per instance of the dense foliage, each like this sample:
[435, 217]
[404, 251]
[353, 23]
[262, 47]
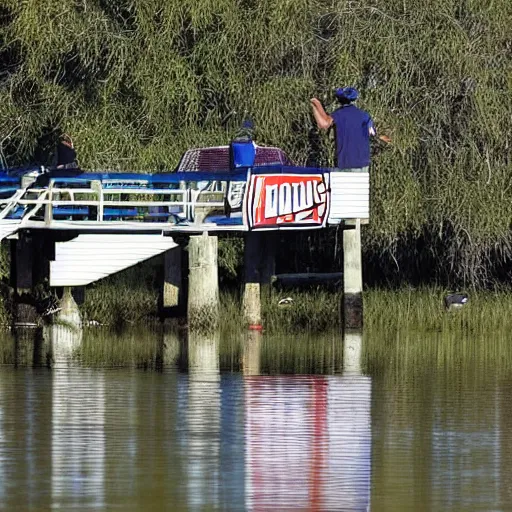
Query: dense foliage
[136, 82]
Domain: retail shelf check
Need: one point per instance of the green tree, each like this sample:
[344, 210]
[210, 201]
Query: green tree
[137, 82]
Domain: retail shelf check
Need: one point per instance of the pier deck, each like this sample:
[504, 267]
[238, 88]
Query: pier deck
[262, 198]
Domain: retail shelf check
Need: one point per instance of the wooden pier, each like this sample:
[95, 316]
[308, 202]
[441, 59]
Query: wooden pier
[95, 224]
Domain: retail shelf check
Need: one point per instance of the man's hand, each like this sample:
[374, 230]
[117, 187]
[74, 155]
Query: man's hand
[385, 138]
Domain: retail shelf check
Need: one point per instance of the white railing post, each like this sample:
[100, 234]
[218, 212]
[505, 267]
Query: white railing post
[48, 211]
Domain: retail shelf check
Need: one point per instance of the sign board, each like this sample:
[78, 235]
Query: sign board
[276, 201]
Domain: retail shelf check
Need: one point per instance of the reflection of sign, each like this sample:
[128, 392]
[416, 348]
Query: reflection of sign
[308, 443]
[288, 200]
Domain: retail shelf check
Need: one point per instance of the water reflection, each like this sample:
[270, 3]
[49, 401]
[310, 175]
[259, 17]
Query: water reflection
[78, 425]
[106, 426]
[251, 353]
[203, 420]
[25, 465]
[308, 438]
[171, 348]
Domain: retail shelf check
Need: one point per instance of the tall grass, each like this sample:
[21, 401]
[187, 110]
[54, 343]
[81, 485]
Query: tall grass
[315, 310]
[130, 297]
[423, 309]
[137, 82]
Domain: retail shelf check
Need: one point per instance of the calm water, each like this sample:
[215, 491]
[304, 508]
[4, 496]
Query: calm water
[152, 421]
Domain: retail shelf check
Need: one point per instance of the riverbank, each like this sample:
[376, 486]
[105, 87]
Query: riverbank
[133, 297]
[317, 310]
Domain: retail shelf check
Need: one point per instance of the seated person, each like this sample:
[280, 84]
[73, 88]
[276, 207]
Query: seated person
[66, 154]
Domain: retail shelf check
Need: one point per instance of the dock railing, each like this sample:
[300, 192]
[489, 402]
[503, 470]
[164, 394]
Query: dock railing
[265, 198]
[168, 199]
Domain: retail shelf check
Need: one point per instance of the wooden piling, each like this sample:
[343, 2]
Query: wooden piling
[22, 281]
[69, 313]
[203, 282]
[352, 277]
[252, 278]
[173, 291]
[23, 255]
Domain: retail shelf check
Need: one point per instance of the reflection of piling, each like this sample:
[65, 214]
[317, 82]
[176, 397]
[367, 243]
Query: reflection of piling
[251, 355]
[352, 277]
[203, 355]
[203, 282]
[203, 417]
[63, 343]
[350, 458]
[352, 352]
[31, 347]
[171, 348]
[78, 426]
[24, 346]
[42, 348]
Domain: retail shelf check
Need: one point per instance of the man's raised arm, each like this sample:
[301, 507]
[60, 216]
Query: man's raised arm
[323, 120]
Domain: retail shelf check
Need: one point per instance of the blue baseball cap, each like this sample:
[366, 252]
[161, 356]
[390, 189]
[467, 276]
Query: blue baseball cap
[347, 93]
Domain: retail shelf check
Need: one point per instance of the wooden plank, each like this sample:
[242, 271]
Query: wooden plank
[308, 278]
[88, 258]
[353, 222]
[350, 203]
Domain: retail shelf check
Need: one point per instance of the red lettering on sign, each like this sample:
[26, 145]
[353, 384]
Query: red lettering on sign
[288, 200]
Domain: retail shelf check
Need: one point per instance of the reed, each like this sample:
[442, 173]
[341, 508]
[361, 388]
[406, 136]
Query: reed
[315, 310]
[129, 297]
[407, 308]
[407, 354]
[139, 347]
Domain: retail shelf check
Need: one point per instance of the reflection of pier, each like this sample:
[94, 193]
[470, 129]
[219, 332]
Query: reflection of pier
[309, 439]
[203, 420]
[78, 426]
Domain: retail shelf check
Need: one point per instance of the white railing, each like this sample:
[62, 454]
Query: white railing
[99, 204]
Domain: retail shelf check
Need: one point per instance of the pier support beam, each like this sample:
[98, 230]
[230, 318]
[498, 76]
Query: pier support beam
[173, 291]
[22, 280]
[268, 262]
[252, 279]
[259, 269]
[69, 312]
[203, 282]
[352, 278]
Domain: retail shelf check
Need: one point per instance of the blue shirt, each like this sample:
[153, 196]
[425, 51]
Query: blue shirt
[353, 129]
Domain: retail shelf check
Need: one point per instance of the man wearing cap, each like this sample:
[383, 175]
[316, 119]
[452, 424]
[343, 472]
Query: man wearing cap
[353, 126]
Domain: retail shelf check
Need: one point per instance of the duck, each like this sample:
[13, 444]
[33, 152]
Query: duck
[455, 300]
